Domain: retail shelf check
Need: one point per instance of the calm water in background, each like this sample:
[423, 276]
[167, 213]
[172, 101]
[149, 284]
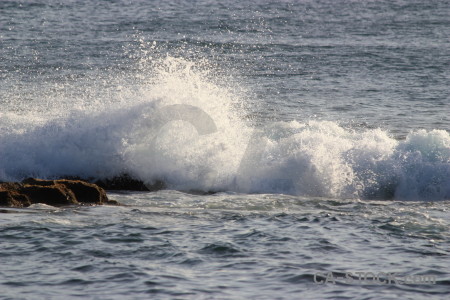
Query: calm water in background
[350, 104]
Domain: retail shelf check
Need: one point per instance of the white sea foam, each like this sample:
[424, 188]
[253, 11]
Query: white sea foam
[120, 132]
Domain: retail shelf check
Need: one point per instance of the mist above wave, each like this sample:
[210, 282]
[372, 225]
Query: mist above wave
[120, 131]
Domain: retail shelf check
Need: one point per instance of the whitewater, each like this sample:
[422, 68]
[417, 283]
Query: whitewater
[300, 142]
[312, 158]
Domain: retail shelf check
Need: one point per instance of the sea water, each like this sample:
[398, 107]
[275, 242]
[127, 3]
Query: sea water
[319, 131]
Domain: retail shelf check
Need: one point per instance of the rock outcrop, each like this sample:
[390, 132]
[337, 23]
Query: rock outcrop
[125, 182]
[52, 192]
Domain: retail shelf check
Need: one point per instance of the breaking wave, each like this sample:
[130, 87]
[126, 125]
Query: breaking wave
[158, 129]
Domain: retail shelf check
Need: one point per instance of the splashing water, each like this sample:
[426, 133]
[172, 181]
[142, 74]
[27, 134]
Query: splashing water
[115, 127]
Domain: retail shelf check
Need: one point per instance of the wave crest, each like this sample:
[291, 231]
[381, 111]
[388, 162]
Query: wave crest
[315, 158]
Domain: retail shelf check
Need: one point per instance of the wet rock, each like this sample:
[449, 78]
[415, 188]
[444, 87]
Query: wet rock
[84, 192]
[6, 186]
[55, 195]
[39, 182]
[125, 182]
[52, 192]
[11, 198]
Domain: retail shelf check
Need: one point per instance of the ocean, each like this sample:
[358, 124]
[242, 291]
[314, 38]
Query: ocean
[305, 146]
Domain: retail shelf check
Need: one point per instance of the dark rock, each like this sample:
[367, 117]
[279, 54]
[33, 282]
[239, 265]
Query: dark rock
[126, 183]
[84, 192]
[52, 192]
[10, 186]
[11, 198]
[70, 191]
[55, 195]
[123, 182]
[39, 182]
